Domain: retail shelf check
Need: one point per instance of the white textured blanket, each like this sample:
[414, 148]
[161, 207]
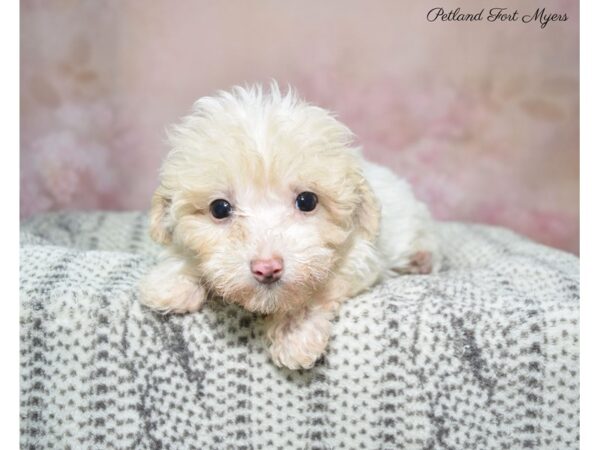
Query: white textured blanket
[484, 355]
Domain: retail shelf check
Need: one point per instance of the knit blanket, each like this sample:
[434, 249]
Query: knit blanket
[484, 355]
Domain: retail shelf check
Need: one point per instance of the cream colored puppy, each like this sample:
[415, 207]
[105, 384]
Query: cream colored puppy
[264, 201]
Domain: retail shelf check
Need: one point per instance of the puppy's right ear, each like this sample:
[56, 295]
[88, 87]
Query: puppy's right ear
[161, 228]
[369, 211]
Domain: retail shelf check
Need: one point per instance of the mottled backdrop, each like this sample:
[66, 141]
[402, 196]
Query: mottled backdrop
[482, 117]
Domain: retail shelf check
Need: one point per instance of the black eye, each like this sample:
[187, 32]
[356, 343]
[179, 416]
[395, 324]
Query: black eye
[220, 209]
[306, 201]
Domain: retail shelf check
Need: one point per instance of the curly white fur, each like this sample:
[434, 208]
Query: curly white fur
[258, 150]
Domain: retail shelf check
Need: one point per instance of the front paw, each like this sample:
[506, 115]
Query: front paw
[298, 345]
[296, 355]
[175, 293]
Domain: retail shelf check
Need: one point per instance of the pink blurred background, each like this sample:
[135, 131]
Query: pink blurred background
[482, 118]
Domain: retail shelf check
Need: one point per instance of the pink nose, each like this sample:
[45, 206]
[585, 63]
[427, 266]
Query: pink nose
[267, 270]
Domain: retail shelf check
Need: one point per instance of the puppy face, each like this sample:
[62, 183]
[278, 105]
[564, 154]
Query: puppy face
[264, 194]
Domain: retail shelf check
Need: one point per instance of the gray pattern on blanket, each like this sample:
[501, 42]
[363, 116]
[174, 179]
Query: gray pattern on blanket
[484, 355]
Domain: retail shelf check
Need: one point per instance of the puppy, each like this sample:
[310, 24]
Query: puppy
[265, 201]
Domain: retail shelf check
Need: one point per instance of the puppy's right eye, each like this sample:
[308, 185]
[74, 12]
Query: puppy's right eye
[220, 209]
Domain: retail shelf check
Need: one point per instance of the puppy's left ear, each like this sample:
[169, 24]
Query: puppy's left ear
[368, 214]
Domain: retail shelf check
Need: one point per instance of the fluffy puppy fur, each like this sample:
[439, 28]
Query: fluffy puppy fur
[258, 150]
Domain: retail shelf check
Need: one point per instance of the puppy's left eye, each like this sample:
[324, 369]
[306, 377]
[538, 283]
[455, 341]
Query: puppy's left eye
[306, 201]
[220, 209]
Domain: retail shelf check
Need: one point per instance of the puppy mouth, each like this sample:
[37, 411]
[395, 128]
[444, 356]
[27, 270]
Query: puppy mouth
[270, 282]
[266, 293]
[276, 295]
[265, 302]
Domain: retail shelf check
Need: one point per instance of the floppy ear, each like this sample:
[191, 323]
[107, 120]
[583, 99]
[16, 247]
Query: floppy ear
[161, 228]
[368, 213]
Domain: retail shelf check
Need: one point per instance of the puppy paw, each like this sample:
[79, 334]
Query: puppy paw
[421, 263]
[298, 344]
[296, 355]
[168, 292]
